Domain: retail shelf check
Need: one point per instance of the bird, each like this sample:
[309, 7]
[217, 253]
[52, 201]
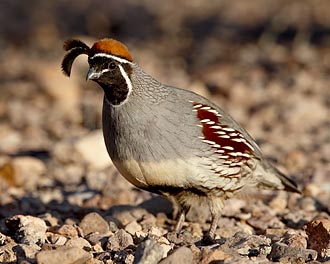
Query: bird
[172, 141]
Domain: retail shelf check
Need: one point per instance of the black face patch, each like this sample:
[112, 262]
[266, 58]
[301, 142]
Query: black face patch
[112, 80]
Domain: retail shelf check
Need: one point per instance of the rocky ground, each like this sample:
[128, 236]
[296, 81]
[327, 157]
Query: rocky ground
[62, 200]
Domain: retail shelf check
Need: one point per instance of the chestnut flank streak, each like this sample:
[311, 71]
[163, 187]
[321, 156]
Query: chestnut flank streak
[227, 137]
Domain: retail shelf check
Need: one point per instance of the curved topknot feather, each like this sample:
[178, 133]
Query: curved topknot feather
[75, 48]
[112, 47]
[74, 43]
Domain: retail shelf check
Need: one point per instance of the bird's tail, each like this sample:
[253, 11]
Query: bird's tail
[272, 178]
[289, 184]
[285, 182]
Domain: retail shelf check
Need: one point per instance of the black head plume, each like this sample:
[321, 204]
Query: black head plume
[75, 48]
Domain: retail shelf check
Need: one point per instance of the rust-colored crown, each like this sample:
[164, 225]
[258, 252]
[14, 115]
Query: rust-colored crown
[112, 47]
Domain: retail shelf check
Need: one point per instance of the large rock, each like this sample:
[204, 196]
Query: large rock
[28, 229]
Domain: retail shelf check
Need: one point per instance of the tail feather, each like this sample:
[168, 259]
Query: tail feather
[289, 184]
[272, 178]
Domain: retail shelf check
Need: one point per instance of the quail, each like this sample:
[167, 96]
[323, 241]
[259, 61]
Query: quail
[171, 141]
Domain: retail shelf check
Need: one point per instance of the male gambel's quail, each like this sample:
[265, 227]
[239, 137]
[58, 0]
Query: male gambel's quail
[171, 141]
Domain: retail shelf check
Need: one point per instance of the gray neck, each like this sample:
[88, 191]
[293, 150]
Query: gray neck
[146, 87]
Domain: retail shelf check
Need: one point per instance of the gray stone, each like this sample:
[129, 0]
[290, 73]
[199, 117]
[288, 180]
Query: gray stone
[249, 245]
[120, 240]
[148, 252]
[282, 252]
[182, 255]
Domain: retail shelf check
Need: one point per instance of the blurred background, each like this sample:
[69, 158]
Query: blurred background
[267, 62]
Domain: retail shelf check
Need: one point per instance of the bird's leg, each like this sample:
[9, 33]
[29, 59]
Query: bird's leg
[175, 236]
[215, 207]
[213, 226]
[181, 218]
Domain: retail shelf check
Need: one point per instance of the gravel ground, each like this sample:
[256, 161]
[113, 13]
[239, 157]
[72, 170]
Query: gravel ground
[266, 62]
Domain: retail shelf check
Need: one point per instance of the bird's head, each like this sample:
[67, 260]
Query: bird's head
[110, 65]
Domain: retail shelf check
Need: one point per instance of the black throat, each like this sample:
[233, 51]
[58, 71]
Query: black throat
[116, 87]
[115, 93]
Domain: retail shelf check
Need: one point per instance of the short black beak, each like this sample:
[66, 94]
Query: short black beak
[92, 74]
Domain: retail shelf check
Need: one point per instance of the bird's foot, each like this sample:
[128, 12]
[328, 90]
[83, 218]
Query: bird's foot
[209, 240]
[182, 238]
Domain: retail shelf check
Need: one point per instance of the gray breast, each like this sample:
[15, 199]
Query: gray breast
[151, 132]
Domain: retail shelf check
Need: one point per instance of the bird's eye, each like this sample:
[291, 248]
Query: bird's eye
[112, 65]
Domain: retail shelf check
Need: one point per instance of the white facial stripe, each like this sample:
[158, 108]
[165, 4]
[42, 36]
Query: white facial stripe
[121, 60]
[128, 82]
[104, 70]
